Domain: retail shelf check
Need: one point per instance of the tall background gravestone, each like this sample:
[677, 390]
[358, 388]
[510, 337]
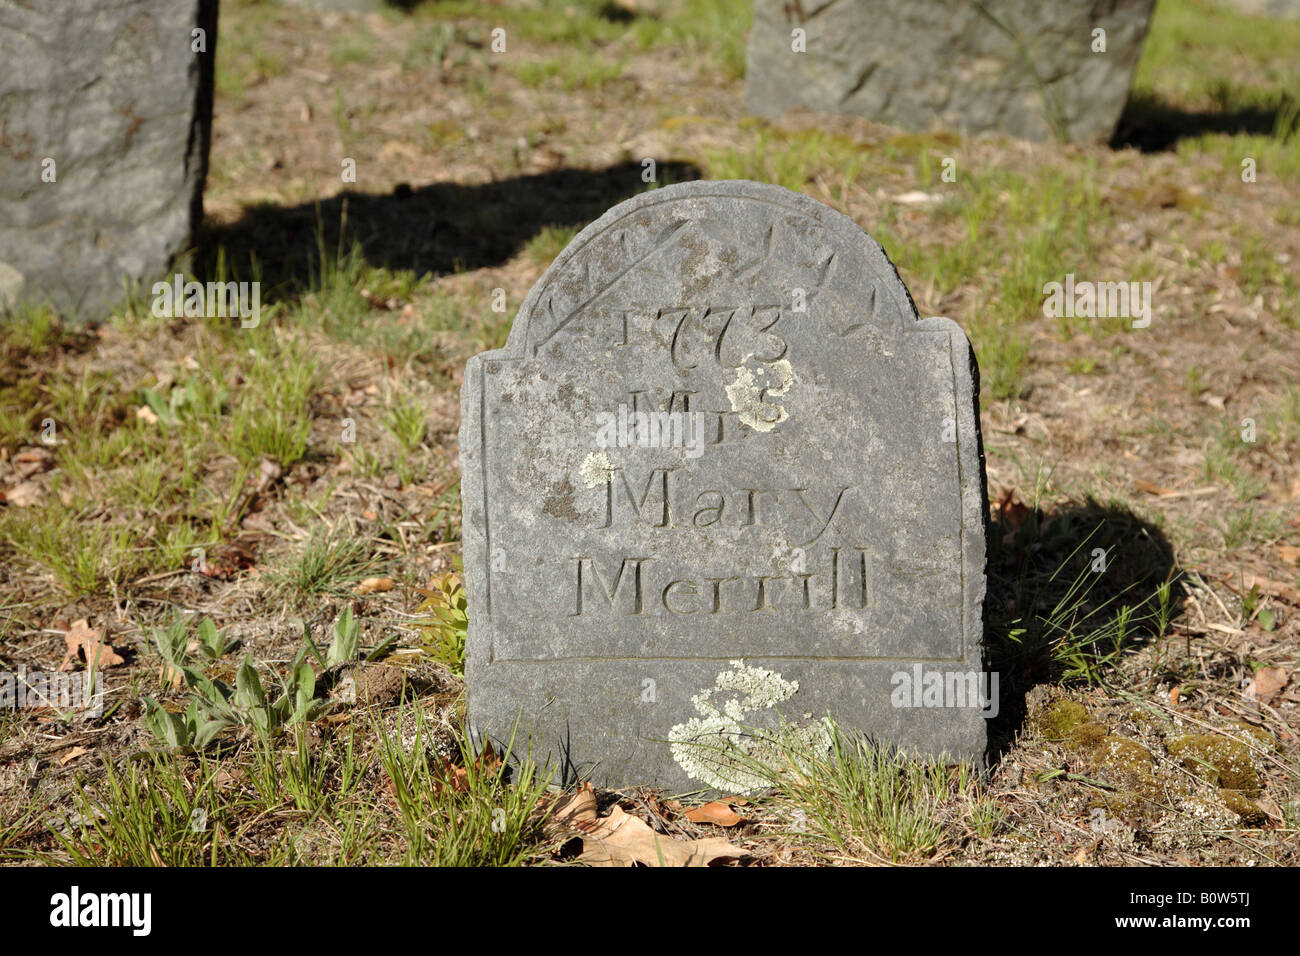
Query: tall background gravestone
[1013, 66]
[109, 98]
[721, 475]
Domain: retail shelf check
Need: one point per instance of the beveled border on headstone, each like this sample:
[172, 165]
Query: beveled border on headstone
[860, 452]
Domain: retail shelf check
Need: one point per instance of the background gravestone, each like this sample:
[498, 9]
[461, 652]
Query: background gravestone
[816, 528]
[111, 91]
[1015, 66]
[1277, 9]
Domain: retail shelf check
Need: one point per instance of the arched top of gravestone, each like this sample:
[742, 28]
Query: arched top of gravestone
[702, 242]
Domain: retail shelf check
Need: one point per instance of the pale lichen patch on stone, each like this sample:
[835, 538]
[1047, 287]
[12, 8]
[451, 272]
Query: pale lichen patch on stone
[755, 384]
[596, 470]
[719, 750]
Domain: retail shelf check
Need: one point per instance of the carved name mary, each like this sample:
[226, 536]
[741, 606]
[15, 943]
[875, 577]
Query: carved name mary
[722, 477]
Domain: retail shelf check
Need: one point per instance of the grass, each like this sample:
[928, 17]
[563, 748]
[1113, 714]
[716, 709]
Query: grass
[297, 804]
[710, 33]
[489, 817]
[1224, 85]
[244, 61]
[350, 332]
[568, 73]
[274, 420]
[871, 803]
[330, 560]
[405, 418]
[549, 243]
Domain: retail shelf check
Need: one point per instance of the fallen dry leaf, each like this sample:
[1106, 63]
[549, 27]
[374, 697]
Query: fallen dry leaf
[23, 495]
[1012, 513]
[1270, 807]
[1277, 589]
[1162, 492]
[1289, 553]
[573, 811]
[171, 675]
[72, 755]
[374, 585]
[1267, 684]
[30, 461]
[621, 839]
[717, 813]
[1151, 489]
[81, 637]
[458, 777]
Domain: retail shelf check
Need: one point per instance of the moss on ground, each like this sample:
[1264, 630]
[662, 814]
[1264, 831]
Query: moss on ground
[1059, 720]
[1221, 761]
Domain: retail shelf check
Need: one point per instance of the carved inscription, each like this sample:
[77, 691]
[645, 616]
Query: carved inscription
[643, 585]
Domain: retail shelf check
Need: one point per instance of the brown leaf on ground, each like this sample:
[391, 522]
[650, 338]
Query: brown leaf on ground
[457, 778]
[1150, 488]
[1268, 684]
[31, 461]
[72, 755]
[717, 813]
[23, 495]
[227, 560]
[573, 811]
[621, 839]
[1012, 513]
[1162, 492]
[1279, 589]
[1270, 808]
[81, 637]
[374, 586]
[171, 675]
[1289, 553]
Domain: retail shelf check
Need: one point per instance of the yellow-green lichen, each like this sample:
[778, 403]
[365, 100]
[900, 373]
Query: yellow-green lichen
[1221, 761]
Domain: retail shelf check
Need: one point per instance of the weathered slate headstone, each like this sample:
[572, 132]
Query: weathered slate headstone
[1034, 70]
[721, 472]
[105, 110]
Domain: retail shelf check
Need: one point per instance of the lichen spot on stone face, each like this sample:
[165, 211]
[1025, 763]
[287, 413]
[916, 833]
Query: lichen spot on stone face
[719, 747]
[756, 384]
[596, 470]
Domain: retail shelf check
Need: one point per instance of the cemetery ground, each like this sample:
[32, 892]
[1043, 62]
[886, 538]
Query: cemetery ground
[295, 484]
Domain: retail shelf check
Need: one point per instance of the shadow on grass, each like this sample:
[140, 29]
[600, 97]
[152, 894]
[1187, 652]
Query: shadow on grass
[1051, 617]
[435, 229]
[1152, 125]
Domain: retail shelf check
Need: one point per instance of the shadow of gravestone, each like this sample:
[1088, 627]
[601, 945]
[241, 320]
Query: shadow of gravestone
[435, 229]
[1071, 591]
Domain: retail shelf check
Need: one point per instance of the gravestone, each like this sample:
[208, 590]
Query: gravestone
[1274, 9]
[721, 483]
[105, 111]
[1021, 67]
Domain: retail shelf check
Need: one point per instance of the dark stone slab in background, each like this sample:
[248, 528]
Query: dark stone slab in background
[1013, 66]
[111, 91]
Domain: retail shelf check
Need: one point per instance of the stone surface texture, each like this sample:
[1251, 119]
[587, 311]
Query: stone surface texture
[808, 523]
[1012, 66]
[112, 93]
[1274, 9]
